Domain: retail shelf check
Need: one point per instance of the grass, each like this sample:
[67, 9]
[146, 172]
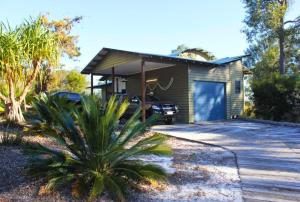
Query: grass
[9, 138]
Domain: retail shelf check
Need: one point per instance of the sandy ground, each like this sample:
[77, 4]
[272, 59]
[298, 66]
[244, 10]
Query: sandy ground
[196, 173]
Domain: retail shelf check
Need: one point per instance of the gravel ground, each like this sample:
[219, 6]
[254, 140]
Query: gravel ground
[196, 173]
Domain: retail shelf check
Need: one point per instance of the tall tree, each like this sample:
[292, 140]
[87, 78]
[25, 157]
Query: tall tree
[266, 19]
[68, 44]
[23, 50]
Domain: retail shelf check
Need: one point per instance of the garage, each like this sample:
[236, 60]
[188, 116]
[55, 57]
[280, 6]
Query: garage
[201, 90]
[209, 101]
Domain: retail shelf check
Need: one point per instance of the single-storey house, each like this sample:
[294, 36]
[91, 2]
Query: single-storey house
[203, 90]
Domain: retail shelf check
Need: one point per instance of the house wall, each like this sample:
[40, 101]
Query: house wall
[177, 93]
[237, 100]
[182, 90]
[227, 74]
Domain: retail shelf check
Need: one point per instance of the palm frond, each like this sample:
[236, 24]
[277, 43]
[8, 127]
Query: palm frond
[97, 156]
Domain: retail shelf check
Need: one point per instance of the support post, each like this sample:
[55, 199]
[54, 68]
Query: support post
[106, 87]
[143, 96]
[113, 79]
[92, 84]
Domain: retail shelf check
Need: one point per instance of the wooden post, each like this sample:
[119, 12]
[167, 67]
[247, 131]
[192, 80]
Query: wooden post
[117, 82]
[143, 91]
[113, 79]
[106, 87]
[92, 84]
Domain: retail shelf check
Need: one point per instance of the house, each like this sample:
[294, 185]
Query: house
[203, 90]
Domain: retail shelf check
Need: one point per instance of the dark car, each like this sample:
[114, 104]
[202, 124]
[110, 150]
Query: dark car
[167, 110]
[70, 96]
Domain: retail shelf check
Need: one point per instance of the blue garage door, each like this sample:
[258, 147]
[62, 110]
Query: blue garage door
[209, 101]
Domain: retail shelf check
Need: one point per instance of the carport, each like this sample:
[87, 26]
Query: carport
[113, 63]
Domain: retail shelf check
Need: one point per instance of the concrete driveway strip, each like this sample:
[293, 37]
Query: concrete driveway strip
[268, 156]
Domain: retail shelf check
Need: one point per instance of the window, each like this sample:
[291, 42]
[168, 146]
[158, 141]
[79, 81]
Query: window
[237, 87]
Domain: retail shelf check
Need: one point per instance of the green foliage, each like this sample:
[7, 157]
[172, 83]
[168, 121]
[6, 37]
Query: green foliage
[63, 28]
[22, 51]
[274, 48]
[267, 28]
[98, 154]
[2, 107]
[75, 82]
[44, 105]
[267, 65]
[264, 17]
[67, 42]
[275, 96]
[11, 139]
[57, 80]
[249, 110]
[63, 80]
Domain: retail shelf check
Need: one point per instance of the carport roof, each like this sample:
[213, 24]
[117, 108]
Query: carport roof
[108, 58]
[227, 60]
[133, 56]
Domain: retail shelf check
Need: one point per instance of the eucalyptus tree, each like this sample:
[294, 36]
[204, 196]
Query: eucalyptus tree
[266, 22]
[23, 50]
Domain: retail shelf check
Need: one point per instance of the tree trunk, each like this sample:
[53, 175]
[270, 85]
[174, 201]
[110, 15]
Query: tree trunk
[14, 112]
[13, 104]
[46, 79]
[281, 52]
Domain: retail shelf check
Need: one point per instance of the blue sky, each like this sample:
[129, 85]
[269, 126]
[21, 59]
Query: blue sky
[155, 26]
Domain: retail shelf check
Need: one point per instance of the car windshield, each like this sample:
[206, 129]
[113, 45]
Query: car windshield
[70, 96]
[152, 98]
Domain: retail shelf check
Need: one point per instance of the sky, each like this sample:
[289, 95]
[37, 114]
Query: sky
[156, 26]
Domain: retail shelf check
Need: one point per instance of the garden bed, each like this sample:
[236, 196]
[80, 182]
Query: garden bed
[196, 173]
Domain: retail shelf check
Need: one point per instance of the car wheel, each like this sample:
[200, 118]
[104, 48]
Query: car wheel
[169, 121]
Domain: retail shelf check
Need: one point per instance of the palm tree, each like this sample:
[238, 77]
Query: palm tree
[98, 154]
[22, 52]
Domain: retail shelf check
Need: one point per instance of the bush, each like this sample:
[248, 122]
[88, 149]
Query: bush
[249, 110]
[9, 138]
[97, 155]
[43, 106]
[275, 97]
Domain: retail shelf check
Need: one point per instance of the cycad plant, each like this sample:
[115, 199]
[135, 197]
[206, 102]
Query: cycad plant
[100, 155]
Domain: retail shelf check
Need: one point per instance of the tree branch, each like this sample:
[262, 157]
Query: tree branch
[36, 69]
[291, 21]
[297, 20]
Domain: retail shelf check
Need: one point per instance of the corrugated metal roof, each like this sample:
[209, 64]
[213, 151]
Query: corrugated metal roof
[227, 60]
[171, 58]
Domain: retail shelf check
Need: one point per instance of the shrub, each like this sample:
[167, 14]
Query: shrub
[248, 109]
[275, 96]
[9, 138]
[97, 155]
[44, 105]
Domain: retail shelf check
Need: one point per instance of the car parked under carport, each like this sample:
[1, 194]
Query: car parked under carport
[202, 90]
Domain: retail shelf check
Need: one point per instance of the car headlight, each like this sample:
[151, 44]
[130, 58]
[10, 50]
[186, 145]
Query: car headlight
[155, 107]
[176, 108]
